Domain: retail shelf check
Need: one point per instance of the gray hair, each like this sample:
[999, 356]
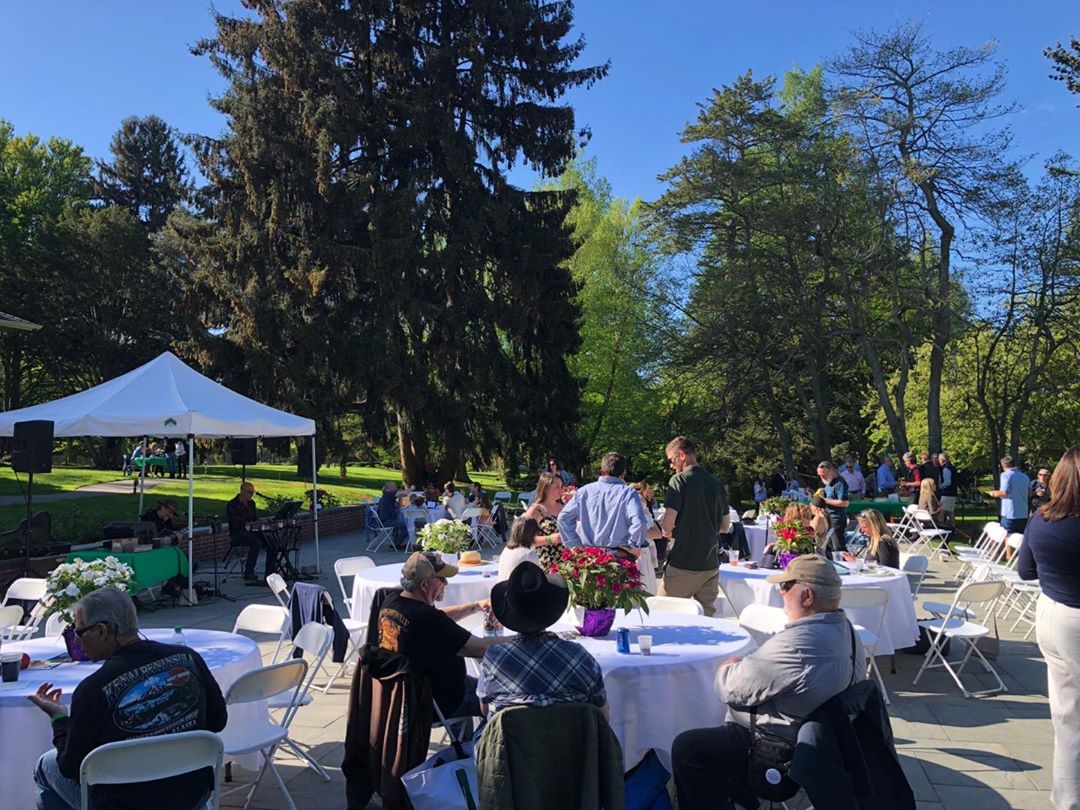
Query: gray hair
[108, 606]
[824, 593]
[411, 585]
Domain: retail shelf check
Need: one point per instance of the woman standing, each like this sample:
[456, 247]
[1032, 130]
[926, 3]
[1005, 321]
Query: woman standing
[881, 547]
[1050, 554]
[545, 510]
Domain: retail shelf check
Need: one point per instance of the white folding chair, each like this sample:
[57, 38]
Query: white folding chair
[25, 589]
[245, 736]
[931, 537]
[852, 599]
[350, 567]
[524, 500]
[280, 588]
[376, 531]
[473, 513]
[313, 641]
[10, 618]
[915, 566]
[989, 548]
[147, 758]
[762, 621]
[54, 628]
[675, 604]
[905, 528]
[503, 498]
[956, 626]
[749, 514]
[411, 515]
[270, 620]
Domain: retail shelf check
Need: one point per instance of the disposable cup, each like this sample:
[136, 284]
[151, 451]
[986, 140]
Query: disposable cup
[645, 644]
[9, 666]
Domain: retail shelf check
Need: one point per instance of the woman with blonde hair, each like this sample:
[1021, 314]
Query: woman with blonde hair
[1050, 554]
[929, 502]
[881, 547]
[545, 510]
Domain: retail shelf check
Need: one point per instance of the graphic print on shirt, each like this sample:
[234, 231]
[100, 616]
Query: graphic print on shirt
[161, 697]
[391, 623]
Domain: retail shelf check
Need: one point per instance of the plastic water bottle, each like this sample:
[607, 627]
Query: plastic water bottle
[178, 637]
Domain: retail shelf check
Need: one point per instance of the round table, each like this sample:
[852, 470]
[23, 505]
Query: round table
[467, 585]
[747, 586]
[757, 537]
[653, 698]
[25, 733]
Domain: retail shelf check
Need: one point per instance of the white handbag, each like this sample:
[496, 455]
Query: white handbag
[444, 782]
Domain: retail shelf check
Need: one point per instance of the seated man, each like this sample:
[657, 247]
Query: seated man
[410, 624]
[784, 681]
[536, 668]
[143, 689]
[161, 516]
[240, 512]
[390, 514]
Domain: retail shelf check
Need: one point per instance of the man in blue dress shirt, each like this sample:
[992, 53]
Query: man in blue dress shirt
[606, 513]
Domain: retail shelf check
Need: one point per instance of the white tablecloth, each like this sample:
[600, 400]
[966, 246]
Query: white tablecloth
[468, 585]
[747, 586]
[654, 698]
[757, 537]
[25, 733]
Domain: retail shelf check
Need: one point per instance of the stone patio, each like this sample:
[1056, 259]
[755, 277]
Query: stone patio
[979, 753]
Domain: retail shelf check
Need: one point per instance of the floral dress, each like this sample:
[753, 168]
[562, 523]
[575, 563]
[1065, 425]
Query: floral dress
[549, 553]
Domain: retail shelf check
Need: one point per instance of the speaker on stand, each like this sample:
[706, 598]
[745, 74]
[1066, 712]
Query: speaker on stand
[244, 452]
[31, 452]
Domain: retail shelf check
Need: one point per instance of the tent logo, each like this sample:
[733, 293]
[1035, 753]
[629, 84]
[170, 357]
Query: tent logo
[170, 422]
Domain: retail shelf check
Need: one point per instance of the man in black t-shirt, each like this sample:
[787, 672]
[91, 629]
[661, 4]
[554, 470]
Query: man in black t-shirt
[144, 689]
[410, 624]
[161, 516]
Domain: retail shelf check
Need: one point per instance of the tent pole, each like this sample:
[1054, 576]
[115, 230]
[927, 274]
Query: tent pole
[191, 519]
[315, 503]
[142, 472]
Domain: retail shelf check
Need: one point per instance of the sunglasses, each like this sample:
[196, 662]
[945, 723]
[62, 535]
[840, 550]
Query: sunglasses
[787, 586]
[82, 631]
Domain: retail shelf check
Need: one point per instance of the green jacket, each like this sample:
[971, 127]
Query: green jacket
[536, 758]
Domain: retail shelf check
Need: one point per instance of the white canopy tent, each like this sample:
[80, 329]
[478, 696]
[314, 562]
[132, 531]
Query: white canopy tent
[168, 398]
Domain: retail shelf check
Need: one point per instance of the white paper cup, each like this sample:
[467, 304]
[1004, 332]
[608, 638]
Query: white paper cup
[645, 644]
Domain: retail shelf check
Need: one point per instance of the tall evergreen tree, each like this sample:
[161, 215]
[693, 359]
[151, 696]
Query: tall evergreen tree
[364, 250]
[146, 175]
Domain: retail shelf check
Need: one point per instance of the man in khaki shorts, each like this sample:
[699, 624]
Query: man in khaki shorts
[695, 512]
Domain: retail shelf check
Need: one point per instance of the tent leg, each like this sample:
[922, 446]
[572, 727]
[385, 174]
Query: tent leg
[191, 520]
[315, 503]
[142, 473]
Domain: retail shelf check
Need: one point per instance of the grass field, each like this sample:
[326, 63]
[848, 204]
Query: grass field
[80, 520]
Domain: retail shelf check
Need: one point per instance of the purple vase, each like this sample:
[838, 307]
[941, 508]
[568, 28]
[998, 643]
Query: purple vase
[785, 557]
[597, 621]
[74, 646]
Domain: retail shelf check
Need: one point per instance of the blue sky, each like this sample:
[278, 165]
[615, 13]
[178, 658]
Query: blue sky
[77, 69]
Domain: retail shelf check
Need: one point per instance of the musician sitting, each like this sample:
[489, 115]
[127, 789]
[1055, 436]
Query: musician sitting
[241, 512]
[162, 517]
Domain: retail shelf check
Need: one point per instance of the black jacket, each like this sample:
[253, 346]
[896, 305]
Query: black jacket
[845, 758]
[312, 603]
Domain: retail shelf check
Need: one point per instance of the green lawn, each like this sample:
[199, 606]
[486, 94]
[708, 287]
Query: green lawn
[80, 520]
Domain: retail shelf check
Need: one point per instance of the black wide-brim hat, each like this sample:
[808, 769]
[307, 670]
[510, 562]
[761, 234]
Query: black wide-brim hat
[530, 600]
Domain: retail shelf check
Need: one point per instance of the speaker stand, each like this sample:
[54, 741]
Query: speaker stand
[27, 533]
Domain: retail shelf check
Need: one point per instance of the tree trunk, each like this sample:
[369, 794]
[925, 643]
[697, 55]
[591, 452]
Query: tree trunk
[12, 372]
[941, 319]
[412, 456]
[607, 394]
[781, 431]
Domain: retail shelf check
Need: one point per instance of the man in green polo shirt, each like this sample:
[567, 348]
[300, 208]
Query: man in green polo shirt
[695, 512]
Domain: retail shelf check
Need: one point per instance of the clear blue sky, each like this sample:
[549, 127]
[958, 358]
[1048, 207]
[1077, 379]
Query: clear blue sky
[76, 69]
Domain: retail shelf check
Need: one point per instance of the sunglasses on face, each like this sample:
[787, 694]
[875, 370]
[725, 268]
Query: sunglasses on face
[787, 586]
[82, 631]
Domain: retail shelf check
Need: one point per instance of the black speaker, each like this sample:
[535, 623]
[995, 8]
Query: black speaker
[244, 451]
[32, 446]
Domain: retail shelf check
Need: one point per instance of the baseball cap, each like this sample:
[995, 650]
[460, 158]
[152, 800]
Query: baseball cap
[426, 564]
[813, 569]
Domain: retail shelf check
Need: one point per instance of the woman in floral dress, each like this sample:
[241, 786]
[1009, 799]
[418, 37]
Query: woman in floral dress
[545, 510]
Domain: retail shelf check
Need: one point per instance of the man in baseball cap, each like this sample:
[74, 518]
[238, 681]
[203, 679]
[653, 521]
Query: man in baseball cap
[816, 656]
[430, 637]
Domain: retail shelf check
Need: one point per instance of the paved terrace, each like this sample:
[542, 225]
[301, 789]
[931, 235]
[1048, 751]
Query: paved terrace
[980, 753]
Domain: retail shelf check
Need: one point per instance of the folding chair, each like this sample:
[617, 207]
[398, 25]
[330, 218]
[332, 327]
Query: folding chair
[313, 642]
[53, 626]
[280, 588]
[245, 736]
[930, 536]
[762, 621]
[350, 567]
[955, 625]
[675, 604]
[411, 515]
[853, 599]
[375, 531]
[267, 620]
[10, 618]
[524, 500]
[25, 589]
[144, 759]
[473, 514]
[988, 548]
[915, 566]
[905, 528]
[503, 498]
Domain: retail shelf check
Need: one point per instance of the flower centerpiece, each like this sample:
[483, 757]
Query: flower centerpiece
[793, 538]
[774, 506]
[70, 582]
[599, 583]
[449, 537]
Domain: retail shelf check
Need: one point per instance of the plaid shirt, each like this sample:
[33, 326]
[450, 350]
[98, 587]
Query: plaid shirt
[539, 669]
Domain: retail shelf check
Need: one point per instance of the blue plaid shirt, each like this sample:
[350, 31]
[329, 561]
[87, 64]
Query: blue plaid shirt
[539, 669]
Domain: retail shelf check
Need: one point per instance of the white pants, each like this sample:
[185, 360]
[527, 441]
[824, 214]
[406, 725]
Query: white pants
[1058, 628]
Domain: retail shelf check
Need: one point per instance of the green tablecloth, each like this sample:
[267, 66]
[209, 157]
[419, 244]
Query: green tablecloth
[151, 567]
[151, 461]
[887, 508]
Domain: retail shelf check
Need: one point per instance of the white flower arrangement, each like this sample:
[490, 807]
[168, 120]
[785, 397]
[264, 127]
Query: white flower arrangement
[447, 536]
[70, 582]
